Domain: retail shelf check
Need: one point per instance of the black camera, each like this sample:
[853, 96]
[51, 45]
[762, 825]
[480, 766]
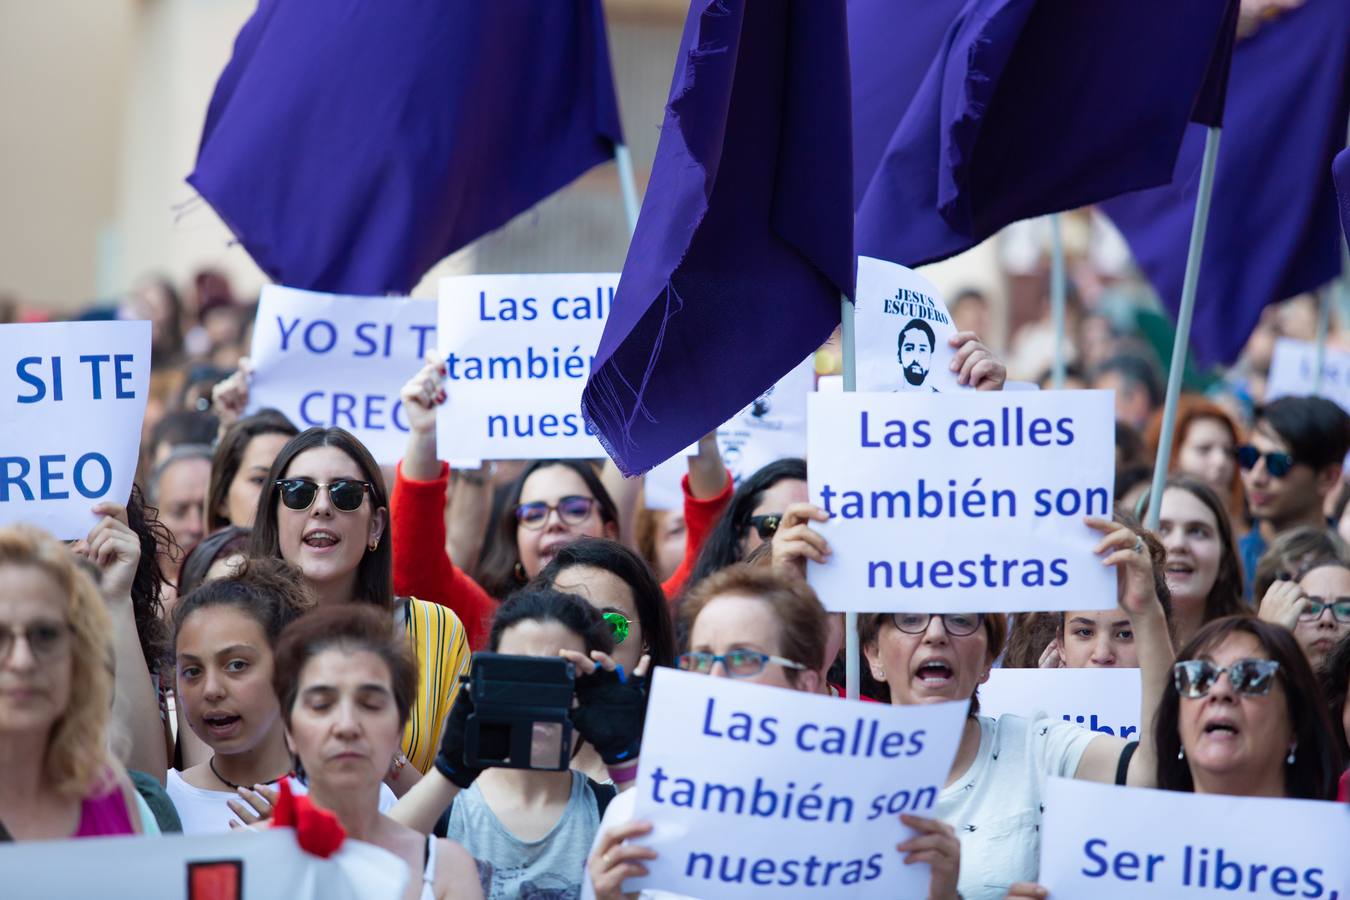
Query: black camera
[520, 712]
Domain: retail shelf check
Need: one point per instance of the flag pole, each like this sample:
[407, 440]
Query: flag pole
[627, 185]
[1058, 288]
[1189, 285]
[848, 344]
[1325, 298]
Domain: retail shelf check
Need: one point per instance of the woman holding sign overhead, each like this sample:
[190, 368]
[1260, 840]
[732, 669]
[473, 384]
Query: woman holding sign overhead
[762, 627]
[993, 797]
[325, 511]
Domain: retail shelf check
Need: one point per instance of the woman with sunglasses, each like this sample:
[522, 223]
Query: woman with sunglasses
[56, 696]
[325, 512]
[1315, 607]
[1241, 715]
[753, 516]
[764, 627]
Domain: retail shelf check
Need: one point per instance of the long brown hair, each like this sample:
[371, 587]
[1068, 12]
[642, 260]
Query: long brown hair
[1225, 596]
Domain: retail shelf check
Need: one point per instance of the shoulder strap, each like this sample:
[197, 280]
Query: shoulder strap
[603, 793]
[1123, 766]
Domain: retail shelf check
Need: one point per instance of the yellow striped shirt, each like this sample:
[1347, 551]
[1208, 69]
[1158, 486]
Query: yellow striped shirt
[442, 649]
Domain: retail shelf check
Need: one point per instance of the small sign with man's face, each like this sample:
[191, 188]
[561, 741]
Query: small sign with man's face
[901, 316]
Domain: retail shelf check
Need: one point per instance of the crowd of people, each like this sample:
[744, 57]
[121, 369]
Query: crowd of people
[271, 611]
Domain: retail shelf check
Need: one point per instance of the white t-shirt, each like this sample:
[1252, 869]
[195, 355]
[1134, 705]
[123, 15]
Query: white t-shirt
[996, 806]
[620, 812]
[206, 812]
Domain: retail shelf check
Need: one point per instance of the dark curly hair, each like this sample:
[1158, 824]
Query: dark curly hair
[147, 597]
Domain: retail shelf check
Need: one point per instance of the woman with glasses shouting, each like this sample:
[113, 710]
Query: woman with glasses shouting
[56, 691]
[764, 627]
[325, 511]
[993, 796]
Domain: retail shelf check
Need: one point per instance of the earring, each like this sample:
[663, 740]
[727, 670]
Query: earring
[1181, 754]
[373, 545]
[1289, 760]
[519, 572]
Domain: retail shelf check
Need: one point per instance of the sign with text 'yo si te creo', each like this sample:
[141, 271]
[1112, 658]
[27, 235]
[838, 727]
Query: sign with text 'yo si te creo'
[903, 328]
[518, 350]
[330, 360]
[962, 502]
[238, 866]
[1121, 843]
[1101, 700]
[759, 791]
[72, 397]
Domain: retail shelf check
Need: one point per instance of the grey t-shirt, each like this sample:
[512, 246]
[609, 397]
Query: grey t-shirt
[547, 869]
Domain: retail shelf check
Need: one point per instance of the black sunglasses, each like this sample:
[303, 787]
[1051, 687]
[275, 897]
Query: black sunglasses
[345, 494]
[1277, 464]
[766, 526]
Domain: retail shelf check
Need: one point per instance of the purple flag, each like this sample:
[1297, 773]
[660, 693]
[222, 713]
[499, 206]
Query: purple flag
[1034, 106]
[1340, 170]
[1272, 225]
[351, 145]
[744, 244]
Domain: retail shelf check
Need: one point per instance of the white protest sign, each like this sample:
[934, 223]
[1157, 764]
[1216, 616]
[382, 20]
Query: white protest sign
[323, 359]
[1101, 700]
[237, 866]
[758, 791]
[771, 427]
[962, 502]
[1119, 843]
[1293, 372]
[72, 397]
[901, 327]
[518, 351]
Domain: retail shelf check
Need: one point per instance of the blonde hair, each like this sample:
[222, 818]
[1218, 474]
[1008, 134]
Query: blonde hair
[76, 760]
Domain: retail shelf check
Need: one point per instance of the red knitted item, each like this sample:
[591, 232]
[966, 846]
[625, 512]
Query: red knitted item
[317, 830]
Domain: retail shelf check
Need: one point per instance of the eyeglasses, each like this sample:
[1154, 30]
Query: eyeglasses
[346, 494]
[957, 624]
[1253, 677]
[739, 663]
[571, 510]
[45, 640]
[1340, 609]
[766, 526]
[618, 625]
[1277, 464]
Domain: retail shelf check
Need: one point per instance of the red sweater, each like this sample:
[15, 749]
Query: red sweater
[699, 518]
[422, 566]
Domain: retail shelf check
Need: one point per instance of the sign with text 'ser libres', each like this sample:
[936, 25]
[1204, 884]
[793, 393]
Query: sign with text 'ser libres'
[518, 351]
[331, 360]
[72, 398]
[1120, 843]
[757, 791]
[962, 502]
[1102, 700]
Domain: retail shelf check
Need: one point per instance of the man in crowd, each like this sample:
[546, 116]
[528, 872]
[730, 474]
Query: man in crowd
[1289, 468]
[1138, 389]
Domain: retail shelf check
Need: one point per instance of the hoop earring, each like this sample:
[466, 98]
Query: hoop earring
[373, 546]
